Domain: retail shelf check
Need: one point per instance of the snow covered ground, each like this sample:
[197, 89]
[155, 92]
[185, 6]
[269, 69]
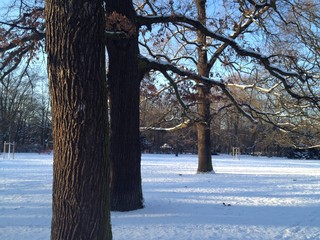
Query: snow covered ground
[254, 198]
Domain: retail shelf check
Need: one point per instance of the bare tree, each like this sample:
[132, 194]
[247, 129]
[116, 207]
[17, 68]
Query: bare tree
[231, 50]
[124, 79]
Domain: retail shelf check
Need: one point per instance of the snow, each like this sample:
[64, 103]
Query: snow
[250, 198]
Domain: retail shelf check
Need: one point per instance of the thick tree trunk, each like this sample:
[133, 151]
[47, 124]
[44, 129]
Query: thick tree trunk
[203, 127]
[124, 84]
[76, 68]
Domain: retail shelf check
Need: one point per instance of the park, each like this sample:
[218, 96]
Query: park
[250, 198]
[101, 84]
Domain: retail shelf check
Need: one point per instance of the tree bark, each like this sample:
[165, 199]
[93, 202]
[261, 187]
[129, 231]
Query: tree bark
[203, 130]
[203, 126]
[124, 84]
[76, 68]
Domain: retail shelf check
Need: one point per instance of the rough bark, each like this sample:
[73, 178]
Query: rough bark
[76, 68]
[124, 84]
[203, 131]
[203, 126]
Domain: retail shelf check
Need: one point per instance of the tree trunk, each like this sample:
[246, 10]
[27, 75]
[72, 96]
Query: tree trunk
[124, 84]
[76, 68]
[203, 127]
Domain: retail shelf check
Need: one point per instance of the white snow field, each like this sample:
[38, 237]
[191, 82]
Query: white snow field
[251, 198]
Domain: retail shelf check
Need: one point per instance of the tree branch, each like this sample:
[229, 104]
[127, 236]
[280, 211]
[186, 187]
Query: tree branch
[165, 66]
[274, 70]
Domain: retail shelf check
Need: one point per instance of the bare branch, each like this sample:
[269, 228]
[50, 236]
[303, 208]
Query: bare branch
[165, 66]
[182, 125]
[274, 70]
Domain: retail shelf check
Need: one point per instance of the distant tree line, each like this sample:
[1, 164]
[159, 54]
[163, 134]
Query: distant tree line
[229, 129]
[25, 116]
[26, 120]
